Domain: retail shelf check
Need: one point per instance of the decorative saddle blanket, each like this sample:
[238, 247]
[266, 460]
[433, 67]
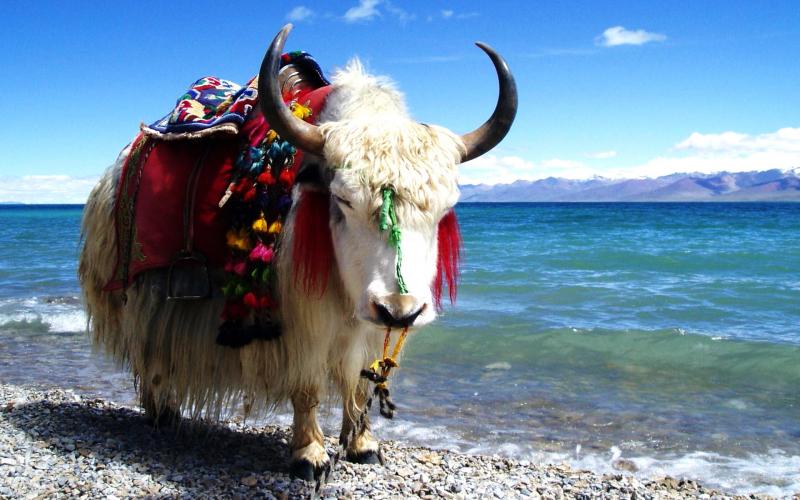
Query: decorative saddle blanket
[210, 184]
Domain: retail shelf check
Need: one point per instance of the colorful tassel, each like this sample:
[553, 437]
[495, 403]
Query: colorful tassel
[260, 225]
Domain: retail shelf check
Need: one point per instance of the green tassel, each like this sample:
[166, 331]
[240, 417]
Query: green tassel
[388, 219]
[386, 208]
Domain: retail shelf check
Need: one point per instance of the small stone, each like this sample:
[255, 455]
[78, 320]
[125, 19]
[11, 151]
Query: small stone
[7, 461]
[624, 464]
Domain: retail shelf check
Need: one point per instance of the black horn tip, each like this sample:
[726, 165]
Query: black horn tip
[488, 135]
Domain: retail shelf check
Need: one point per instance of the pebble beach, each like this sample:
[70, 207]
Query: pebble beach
[57, 444]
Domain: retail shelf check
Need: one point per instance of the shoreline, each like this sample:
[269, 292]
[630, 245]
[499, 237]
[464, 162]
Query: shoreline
[55, 443]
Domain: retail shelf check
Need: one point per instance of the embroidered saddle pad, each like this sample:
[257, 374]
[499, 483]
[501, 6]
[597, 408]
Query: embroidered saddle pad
[180, 167]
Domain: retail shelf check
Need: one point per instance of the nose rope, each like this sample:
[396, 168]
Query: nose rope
[389, 221]
[378, 373]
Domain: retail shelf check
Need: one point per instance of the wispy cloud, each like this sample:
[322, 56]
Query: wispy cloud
[46, 188]
[602, 155]
[366, 10]
[448, 14]
[400, 14]
[618, 35]
[299, 14]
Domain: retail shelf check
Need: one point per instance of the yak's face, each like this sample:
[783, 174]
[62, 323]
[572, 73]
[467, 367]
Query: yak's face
[370, 144]
[418, 164]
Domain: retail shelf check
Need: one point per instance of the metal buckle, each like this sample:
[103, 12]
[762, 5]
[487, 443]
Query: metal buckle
[188, 277]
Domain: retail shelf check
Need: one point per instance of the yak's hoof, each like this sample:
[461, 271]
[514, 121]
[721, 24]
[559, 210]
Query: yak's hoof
[368, 457]
[305, 470]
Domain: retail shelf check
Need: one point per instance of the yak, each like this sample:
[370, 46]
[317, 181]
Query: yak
[362, 141]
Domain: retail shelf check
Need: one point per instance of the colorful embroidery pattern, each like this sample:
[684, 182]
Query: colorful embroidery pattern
[214, 103]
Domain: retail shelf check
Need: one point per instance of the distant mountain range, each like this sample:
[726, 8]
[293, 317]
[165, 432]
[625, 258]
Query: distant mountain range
[768, 185]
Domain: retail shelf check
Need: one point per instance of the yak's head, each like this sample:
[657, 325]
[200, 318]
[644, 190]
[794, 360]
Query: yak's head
[384, 185]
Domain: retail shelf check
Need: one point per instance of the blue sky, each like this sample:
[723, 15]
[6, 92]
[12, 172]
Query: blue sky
[617, 89]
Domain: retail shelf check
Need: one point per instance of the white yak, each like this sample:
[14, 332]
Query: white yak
[363, 142]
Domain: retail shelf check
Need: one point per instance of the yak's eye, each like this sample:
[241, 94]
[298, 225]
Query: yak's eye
[342, 201]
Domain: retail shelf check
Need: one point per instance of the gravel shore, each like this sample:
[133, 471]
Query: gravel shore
[54, 443]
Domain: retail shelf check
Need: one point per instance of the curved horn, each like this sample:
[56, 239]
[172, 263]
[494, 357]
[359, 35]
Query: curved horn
[303, 135]
[488, 135]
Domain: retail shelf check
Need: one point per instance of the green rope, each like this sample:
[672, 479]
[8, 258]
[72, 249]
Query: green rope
[389, 221]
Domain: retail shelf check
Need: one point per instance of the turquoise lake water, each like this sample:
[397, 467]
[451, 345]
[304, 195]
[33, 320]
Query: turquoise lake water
[667, 335]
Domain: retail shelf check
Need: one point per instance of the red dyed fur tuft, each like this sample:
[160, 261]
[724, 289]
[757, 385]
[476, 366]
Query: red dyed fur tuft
[447, 264]
[312, 248]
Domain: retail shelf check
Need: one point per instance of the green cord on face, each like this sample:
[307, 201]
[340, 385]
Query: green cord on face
[388, 220]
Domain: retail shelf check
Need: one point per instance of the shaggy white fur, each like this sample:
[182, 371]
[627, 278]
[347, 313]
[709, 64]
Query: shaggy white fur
[170, 347]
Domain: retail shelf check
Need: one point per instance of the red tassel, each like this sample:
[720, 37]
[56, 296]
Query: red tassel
[286, 178]
[449, 259]
[312, 248]
[250, 300]
[266, 178]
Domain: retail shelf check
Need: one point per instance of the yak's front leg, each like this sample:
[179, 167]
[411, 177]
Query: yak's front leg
[309, 460]
[362, 447]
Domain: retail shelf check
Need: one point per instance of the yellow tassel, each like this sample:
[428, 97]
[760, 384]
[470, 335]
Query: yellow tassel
[300, 111]
[238, 241]
[275, 227]
[260, 225]
[271, 135]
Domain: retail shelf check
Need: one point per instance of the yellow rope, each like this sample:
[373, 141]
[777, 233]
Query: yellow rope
[384, 365]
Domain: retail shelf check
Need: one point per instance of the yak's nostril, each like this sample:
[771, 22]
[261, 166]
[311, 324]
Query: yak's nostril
[384, 315]
[391, 320]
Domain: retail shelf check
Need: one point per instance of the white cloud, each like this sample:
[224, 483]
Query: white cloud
[490, 169]
[785, 139]
[451, 14]
[46, 188]
[618, 35]
[299, 14]
[728, 151]
[698, 153]
[602, 155]
[401, 15]
[367, 10]
[364, 11]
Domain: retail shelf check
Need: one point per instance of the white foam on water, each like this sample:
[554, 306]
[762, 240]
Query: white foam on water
[500, 365]
[32, 311]
[774, 473]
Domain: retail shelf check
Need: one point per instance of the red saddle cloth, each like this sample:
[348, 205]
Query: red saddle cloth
[161, 178]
